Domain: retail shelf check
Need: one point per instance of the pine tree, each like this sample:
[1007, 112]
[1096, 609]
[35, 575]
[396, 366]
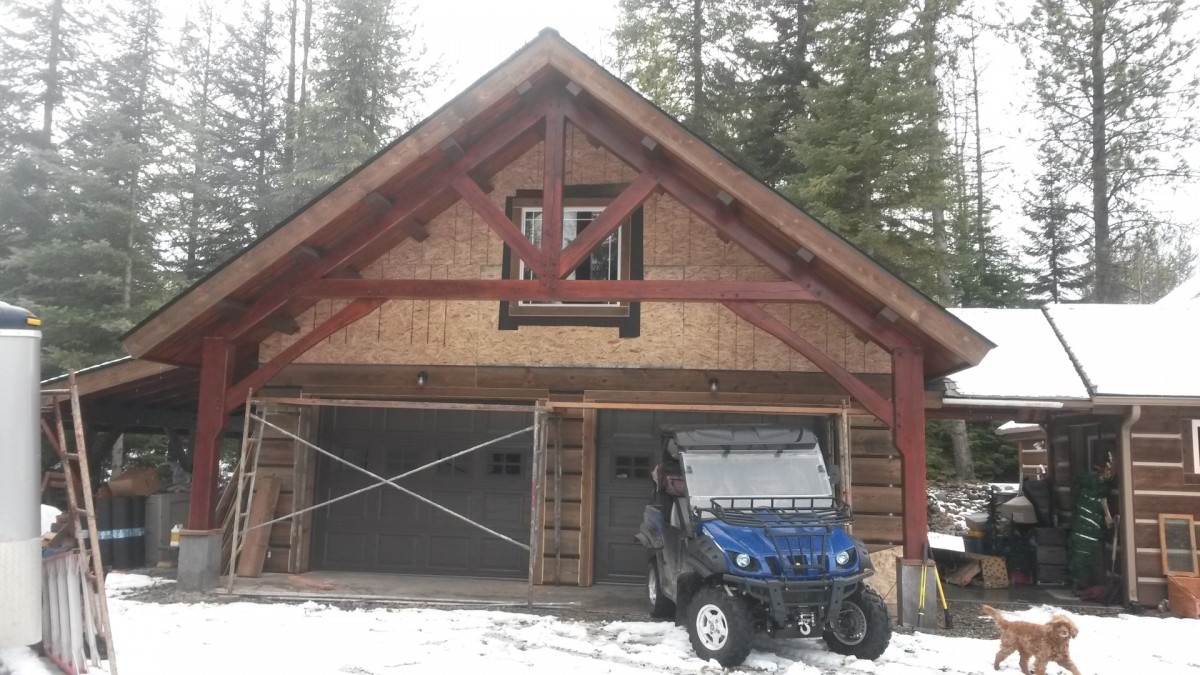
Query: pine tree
[251, 127]
[98, 269]
[364, 86]
[873, 163]
[779, 72]
[1113, 83]
[1059, 270]
[681, 55]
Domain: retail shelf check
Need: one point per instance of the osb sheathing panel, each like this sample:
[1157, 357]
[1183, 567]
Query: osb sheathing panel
[677, 245]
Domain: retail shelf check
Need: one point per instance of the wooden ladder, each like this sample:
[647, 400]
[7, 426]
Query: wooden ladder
[78, 480]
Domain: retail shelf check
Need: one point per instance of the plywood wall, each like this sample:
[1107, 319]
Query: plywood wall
[677, 245]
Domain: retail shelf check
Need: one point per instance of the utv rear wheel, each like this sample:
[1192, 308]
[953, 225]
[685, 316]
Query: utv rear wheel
[661, 606]
[863, 627]
[720, 626]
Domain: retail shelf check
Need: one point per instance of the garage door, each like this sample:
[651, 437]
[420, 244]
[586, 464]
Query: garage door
[628, 444]
[385, 530]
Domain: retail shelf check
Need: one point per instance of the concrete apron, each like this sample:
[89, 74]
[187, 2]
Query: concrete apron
[430, 590]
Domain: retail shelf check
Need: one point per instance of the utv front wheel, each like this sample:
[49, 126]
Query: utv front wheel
[661, 606]
[862, 629]
[720, 626]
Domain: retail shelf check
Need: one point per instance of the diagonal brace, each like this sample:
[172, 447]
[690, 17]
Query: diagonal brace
[875, 404]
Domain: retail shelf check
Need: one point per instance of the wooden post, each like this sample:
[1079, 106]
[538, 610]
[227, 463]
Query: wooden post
[552, 189]
[216, 374]
[908, 432]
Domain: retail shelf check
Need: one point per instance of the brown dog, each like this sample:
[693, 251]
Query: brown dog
[1044, 642]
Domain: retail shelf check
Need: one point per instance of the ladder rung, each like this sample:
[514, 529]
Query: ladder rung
[73, 455]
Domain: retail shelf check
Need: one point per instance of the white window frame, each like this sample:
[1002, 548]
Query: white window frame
[521, 269]
[1196, 446]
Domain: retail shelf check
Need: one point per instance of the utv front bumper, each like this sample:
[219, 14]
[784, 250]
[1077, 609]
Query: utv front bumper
[784, 596]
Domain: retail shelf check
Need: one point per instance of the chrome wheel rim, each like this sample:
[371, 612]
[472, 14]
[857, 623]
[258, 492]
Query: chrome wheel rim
[851, 626]
[652, 584]
[712, 628]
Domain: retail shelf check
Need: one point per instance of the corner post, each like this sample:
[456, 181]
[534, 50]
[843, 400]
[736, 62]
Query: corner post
[908, 431]
[216, 375]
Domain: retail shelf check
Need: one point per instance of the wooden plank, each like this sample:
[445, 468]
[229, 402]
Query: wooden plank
[1161, 478]
[262, 508]
[879, 529]
[872, 443]
[1158, 449]
[572, 433]
[572, 461]
[564, 290]
[216, 372]
[276, 561]
[877, 471]
[277, 452]
[1149, 506]
[570, 544]
[587, 511]
[570, 572]
[877, 500]
[908, 398]
[571, 490]
[284, 474]
[554, 161]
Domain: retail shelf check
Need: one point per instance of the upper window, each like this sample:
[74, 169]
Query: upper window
[619, 256]
[1191, 450]
[605, 262]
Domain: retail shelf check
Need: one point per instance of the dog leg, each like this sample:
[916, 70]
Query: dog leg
[1004, 653]
[1069, 665]
[1041, 666]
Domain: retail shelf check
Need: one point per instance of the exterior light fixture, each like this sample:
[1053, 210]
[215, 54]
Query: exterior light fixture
[714, 384]
[422, 378]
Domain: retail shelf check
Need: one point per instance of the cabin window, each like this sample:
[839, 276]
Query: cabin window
[619, 256]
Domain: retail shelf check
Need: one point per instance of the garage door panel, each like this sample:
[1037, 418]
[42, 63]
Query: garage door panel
[346, 547]
[449, 553]
[490, 485]
[398, 550]
[501, 557]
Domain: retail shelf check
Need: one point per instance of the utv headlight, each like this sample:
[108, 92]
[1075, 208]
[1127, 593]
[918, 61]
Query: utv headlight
[842, 558]
[742, 561]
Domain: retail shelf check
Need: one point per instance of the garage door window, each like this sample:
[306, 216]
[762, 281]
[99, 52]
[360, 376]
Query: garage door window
[631, 467]
[505, 464]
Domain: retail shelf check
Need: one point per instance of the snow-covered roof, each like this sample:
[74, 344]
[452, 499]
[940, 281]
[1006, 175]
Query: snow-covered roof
[1028, 362]
[1187, 292]
[1131, 350]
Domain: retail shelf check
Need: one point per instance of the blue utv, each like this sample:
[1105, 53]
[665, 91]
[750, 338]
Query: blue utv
[746, 536]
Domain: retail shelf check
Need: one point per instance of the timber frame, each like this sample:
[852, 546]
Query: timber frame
[533, 98]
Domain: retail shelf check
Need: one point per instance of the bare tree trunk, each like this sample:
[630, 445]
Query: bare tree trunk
[964, 464]
[699, 106]
[941, 237]
[1104, 291]
[980, 227]
[52, 94]
[289, 120]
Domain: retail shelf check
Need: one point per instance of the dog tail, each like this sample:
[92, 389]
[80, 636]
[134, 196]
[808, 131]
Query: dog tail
[995, 614]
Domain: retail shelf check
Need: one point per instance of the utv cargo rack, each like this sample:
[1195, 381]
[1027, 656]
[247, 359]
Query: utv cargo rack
[780, 511]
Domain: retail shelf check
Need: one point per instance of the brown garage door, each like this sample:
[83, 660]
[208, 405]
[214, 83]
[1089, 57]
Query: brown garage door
[385, 530]
[628, 445]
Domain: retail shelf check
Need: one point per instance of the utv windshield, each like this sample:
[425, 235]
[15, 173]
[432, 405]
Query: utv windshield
[754, 474]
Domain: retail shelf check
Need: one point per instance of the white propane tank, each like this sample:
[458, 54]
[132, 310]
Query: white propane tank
[21, 457]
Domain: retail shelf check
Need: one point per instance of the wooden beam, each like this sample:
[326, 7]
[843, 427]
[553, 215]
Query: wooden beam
[617, 211]
[236, 395]
[731, 226]
[216, 371]
[305, 253]
[405, 207]
[868, 397]
[552, 187]
[494, 216]
[566, 291]
[908, 432]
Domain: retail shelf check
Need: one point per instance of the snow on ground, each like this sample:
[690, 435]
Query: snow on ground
[311, 638]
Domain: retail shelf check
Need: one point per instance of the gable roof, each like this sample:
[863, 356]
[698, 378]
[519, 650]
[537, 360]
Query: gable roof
[1187, 292]
[1028, 362]
[1132, 350]
[170, 334]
